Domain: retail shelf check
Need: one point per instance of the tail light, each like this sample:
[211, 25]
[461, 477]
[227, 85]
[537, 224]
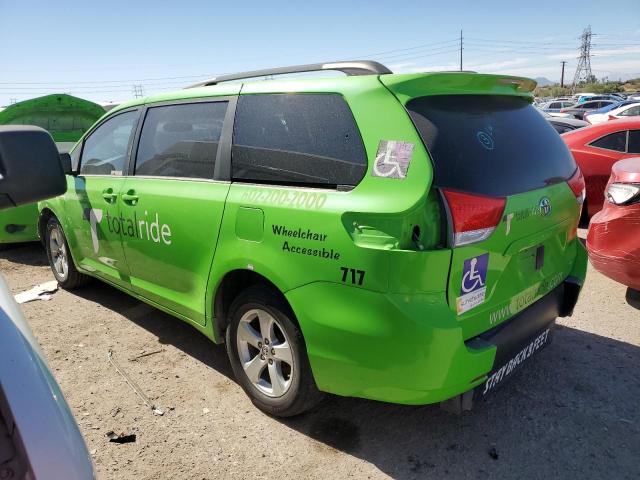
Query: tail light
[576, 183]
[475, 217]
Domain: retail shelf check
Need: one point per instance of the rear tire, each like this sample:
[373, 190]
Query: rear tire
[584, 215]
[59, 255]
[268, 354]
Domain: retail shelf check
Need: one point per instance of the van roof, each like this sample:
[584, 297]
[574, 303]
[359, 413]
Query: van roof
[359, 74]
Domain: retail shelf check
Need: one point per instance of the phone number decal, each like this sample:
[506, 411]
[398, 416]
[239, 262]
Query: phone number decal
[286, 198]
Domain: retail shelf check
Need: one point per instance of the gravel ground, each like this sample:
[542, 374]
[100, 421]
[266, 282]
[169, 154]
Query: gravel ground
[573, 411]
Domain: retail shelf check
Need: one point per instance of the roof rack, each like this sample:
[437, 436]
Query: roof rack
[354, 67]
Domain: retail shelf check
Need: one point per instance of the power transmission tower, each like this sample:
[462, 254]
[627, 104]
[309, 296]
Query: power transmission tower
[583, 70]
[138, 92]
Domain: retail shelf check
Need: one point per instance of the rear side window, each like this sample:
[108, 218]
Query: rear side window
[489, 144]
[297, 139]
[180, 140]
[614, 141]
[560, 128]
[631, 112]
[634, 141]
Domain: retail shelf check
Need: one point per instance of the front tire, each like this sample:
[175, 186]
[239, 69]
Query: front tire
[268, 355]
[59, 256]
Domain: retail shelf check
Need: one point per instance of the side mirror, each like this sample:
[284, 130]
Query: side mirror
[30, 166]
[65, 162]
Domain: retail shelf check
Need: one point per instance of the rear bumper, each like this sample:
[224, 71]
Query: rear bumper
[612, 242]
[516, 340]
[410, 348]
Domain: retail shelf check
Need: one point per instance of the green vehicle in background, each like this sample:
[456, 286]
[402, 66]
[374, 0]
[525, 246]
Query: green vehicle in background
[66, 118]
[408, 238]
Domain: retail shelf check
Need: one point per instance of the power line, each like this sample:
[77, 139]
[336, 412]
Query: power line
[461, 50]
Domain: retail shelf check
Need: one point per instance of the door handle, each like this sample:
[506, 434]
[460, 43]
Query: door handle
[108, 195]
[130, 197]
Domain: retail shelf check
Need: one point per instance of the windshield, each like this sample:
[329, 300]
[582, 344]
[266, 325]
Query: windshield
[489, 144]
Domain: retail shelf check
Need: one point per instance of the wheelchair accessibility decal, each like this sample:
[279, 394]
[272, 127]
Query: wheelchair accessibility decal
[392, 159]
[473, 286]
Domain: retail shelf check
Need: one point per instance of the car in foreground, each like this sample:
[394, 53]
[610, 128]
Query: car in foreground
[333, 250]
[613, 240]
[564, 125]
[39, 438]
[580, 109]
[623, 111]
[596, 149]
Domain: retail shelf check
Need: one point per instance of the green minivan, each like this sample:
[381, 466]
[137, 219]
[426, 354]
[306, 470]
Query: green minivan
[66, 118]
[408, 238]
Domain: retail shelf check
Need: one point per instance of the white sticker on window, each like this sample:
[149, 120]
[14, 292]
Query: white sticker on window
[393, 159]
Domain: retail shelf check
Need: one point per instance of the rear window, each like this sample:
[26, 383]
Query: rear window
[614, 141]
[297, 139]
[490, 145]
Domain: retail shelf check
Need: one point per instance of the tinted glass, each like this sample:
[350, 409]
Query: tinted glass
[614, 141]
[560, 128]
[631, 111]
[105, 150]
[555, 105]
[634, 141]
[491, 145]
[180, 140]
[587, 105]
[309, 139]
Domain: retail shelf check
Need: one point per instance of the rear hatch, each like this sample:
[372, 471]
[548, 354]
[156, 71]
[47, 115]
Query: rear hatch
[512, 195]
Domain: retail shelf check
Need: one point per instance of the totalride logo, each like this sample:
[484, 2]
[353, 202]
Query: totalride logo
[141, 228]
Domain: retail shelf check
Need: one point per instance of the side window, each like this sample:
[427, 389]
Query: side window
[634, 141]
[554, 105]
[180, 140]
[105, 150]
[614, 141]
[297, 139]
[630, 112]
[561, 128]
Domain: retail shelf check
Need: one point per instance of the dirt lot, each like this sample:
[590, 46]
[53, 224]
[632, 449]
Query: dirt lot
[573, 411]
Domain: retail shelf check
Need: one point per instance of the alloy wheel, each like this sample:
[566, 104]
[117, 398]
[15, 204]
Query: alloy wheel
[58, 250]
[265, 352]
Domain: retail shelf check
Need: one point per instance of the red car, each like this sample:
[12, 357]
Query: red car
[613, 240]
[596, 149]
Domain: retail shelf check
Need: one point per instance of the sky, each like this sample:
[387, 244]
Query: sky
[102, 50]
